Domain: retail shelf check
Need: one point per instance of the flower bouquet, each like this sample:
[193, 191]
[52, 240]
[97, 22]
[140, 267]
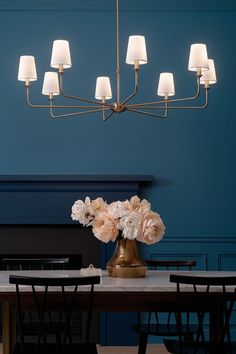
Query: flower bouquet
[124, 221]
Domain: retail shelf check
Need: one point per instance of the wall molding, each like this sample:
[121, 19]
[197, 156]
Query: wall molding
[212, 252]
[221, 257]
[200, 238]
[127, 6]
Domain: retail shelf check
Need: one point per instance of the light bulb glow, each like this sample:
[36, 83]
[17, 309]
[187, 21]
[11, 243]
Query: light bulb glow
[198, 59]
[50, 84]
[166, 85]
[27, 68]
[209, 76]
[136, 51]
[103, 88]
[61, 54]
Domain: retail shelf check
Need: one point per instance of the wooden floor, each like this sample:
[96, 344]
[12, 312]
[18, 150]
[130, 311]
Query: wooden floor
[151, 349]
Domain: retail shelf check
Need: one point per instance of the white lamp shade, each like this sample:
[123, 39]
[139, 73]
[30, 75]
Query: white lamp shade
[198, 58]
[166, 85]
[103, 88]
[136, 52]
[27, 68]
[50, 84]
[61, 54]
[209, 76]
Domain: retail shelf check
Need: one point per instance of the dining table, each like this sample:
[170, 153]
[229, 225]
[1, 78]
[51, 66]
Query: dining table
[154, 292]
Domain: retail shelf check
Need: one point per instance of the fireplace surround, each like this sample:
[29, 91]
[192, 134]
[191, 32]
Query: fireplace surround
[35, 219]
[35, 212]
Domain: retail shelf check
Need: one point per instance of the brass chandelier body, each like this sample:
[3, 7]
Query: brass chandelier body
[205, 75]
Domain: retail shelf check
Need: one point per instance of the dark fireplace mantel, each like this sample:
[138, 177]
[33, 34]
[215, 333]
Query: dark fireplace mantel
[48, 199]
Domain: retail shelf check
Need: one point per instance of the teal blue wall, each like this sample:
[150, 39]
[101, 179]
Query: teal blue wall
[191, 154]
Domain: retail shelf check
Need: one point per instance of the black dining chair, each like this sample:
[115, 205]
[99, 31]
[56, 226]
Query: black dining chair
[61, 293]
[201, 308]
[153, 323]
[37, 263]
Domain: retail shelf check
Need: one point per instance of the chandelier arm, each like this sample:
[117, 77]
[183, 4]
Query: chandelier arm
[179, 107]
[52, 106]
[173, 100]
[150, 114]
[66, 115]
[135, 87]
[107, 117]
[147, 113]
[79, 98]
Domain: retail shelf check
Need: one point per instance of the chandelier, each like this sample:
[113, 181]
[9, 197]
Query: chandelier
[136, 56]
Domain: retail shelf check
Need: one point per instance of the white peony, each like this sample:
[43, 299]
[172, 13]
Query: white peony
[139, 205]
[83, 211]
[117, 209]
[130, 225]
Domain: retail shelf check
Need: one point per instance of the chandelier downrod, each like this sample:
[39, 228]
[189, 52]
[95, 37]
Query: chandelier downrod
[136, 56]
[118, 51]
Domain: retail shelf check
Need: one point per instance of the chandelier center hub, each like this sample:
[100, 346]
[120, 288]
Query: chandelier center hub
[119, 107]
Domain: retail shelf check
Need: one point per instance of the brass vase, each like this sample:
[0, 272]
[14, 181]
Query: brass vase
[125, 262]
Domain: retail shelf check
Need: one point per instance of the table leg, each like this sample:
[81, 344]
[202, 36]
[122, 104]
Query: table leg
[8, 328]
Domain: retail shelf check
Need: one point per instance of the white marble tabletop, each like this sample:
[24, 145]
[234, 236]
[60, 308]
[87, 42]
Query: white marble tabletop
[155, 281]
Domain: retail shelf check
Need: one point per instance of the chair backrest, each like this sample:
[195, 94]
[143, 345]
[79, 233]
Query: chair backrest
[202, 303]
[61, 293]
[75, 259]
[170, 264]
[34, 263]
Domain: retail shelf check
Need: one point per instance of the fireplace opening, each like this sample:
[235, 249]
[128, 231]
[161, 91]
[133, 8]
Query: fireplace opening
[72, 241]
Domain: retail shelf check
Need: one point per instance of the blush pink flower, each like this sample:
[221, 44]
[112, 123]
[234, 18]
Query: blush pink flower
[153, 228]
[98, 205]
[105, 227]
[131, 219]
[139, 205]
